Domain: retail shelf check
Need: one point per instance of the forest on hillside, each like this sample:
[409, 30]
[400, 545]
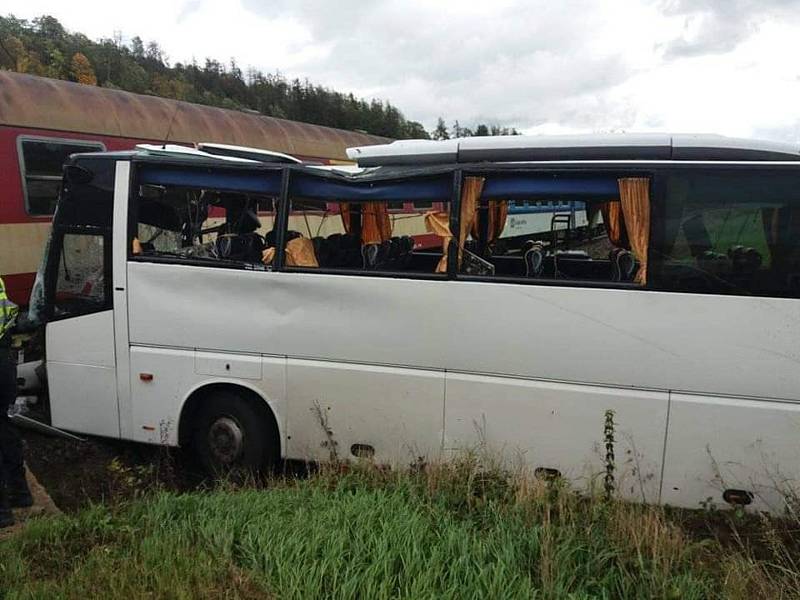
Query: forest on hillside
[44, 47]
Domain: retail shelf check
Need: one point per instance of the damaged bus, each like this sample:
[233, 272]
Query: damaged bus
[184, 304]
[43, 121]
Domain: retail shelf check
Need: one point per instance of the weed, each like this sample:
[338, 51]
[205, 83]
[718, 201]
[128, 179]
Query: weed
[610, 461]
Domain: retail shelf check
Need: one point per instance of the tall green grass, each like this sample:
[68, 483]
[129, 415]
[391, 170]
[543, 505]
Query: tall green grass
[449, 531]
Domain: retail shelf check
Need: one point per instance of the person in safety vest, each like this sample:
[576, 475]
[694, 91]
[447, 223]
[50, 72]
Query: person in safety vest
[14, 492]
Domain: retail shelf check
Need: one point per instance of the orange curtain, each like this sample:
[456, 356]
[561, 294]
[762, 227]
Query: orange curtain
[376, 225]
[268, 255]
[470, 194]
[439, 222]
[615, 224]
[634, 195]
[498, 213]
[299, 253]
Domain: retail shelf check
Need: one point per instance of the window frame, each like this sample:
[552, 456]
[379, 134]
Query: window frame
[54, 260]
[657, 187]
[763, 168]
[21, 139]
[657, 172]
[284, 211]
[133, 224]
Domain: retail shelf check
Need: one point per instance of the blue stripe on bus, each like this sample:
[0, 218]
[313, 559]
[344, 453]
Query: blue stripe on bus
[264, 182]
[526, 186]
[428, 188]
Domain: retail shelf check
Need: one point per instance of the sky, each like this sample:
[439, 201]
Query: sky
[708, 66]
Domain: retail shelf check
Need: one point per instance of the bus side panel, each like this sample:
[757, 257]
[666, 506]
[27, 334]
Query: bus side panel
[560, 427]
[619, 338]
[163, 378]
[82, 374]
[716, 444]
[395, 413]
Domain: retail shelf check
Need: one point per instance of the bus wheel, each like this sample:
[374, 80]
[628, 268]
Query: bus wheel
[230, 435]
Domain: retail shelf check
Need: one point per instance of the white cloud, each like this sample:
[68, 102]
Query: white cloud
[724, 66]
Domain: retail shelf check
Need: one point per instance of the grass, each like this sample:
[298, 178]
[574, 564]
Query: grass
[448, 531]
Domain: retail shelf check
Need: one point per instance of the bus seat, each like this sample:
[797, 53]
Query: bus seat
[350, 251]
[369, 255]
[322, 250]
[270, 237]
[744, 260]
[533, 255]
[395, 249]
[714, 263]
[406, 251]
[623, 264]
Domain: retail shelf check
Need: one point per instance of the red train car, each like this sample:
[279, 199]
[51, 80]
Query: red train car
[42, 121]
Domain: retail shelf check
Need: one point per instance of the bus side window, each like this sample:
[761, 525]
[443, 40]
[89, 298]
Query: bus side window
[81, 285]
[202, 224]
[729, 233]
[365, 236]
[574, 231]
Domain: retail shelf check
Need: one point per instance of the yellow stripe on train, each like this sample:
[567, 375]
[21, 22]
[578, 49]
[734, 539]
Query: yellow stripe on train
[21, 247]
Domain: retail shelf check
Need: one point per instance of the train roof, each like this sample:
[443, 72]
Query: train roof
[41, 103]
[602, 147]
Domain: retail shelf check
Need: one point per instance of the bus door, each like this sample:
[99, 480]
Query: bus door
[81, 345]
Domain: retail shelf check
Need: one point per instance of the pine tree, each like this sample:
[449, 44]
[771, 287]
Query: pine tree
[440, 133]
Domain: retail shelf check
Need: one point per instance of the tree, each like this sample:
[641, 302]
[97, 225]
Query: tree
[137, 48]
[50, 28]
[154, 53]
[416, 131]
[459, 131]
[81, 70]
[440, 133]
[43, 47]
[13, 54]
[481, 130]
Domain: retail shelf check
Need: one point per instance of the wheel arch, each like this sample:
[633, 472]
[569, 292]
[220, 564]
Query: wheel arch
[194, 400]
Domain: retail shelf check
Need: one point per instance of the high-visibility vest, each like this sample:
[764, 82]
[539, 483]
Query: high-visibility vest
[8, 311]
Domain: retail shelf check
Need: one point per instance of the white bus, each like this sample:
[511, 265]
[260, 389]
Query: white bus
[181, 308]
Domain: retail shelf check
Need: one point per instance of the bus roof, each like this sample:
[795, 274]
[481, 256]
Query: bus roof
[619, 146]
[41, 103]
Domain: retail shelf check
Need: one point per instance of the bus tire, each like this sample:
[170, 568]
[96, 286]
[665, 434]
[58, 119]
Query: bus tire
[231, 435]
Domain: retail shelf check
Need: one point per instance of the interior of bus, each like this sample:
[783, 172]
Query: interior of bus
[575, 229]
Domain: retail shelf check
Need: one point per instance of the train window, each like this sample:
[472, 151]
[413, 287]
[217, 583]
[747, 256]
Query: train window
[729, 233]
[423, 204]
[41, 162]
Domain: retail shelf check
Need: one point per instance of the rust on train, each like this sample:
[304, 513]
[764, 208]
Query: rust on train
[37, 102]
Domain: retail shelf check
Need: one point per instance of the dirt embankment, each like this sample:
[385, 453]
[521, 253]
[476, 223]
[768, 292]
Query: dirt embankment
[76, 474]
